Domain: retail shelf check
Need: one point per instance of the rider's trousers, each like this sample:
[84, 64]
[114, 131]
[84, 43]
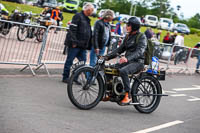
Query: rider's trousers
[129, 68]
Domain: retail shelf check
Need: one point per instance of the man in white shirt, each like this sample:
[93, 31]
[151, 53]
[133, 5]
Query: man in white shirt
[179, 40]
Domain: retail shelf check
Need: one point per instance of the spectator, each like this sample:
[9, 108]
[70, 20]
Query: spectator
[173, 37]
[101, 37]
[124, 29]
[142, 19]
[149, 33]
[179, 40]
[158, 35]
[78, 39]
[118, 28]
[61, 18]
[167, 38]
[55, 15]
[198, 57]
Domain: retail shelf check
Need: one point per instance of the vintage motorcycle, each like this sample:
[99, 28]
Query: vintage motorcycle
[4, 25]
[89, 85]
[25, 31]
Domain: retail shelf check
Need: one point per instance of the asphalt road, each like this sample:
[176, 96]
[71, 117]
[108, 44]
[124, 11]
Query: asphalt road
[40, 105]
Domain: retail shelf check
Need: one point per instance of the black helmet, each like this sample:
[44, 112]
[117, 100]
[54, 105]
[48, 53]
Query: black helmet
[134, 23]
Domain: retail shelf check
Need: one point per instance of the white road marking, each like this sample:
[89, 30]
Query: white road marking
[196, 86]
[170, 92]
[185, 89]
[178, 95]
[193, 99]
[159, 127]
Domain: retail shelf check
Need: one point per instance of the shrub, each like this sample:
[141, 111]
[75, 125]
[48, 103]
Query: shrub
[198, 34]
[193, 31]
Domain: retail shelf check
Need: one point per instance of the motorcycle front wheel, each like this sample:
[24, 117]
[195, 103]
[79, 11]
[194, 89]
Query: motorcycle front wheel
[84, 91]
[22, 33]
[145, 93]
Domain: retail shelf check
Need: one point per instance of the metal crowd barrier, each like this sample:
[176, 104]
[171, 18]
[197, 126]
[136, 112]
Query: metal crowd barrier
[25, 52]
[173, 57]
[192, 62]
[53, 47]
[49, 49]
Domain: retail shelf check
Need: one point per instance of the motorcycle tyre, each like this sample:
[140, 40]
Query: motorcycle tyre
[70, 93]
[156, 101]
[18, 32]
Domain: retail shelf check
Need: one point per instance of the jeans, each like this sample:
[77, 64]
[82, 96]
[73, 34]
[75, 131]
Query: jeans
[72, 53]
[128, 68]
[93, 56]
[198, 63]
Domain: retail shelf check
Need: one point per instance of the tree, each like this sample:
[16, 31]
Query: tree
[122, 6]
[194, 21]
[160, 7]
[82, 1]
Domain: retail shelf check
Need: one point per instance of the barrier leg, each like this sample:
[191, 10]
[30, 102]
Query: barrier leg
[45, 67]
[30, 69]
[39, 67]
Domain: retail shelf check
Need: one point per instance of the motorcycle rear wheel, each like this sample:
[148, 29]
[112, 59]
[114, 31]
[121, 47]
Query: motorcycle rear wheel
[144, 93]
[81, 96]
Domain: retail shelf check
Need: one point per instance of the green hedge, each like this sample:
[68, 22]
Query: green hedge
[194, 31]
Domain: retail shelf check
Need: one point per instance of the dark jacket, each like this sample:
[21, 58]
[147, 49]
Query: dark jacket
[148, 34]
[80, 32]
[134, 52]
[98, 37]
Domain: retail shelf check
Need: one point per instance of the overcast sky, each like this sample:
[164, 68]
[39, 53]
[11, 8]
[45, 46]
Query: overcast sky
[188, 7]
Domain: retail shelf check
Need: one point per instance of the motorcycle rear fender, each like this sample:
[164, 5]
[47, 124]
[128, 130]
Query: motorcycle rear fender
[145, 74]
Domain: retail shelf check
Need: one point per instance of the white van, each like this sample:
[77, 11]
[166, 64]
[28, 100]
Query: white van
[151, 20]
[165, 24]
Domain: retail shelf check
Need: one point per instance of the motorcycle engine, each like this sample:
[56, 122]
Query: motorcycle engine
[118, 86]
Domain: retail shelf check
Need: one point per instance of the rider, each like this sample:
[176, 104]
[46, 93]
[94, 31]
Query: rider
[133, 61]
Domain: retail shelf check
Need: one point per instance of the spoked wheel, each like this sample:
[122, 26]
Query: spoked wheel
[40, 34]
[5, 31]
[22, 33]
[85, 91]
[144, 92]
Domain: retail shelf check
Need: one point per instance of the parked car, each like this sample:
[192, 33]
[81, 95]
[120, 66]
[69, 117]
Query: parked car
[124, 17]
[94, 14]
[45, 3]
[50, 3]
[181, 28]
[70, 5]
[165, 24]
[151, 20]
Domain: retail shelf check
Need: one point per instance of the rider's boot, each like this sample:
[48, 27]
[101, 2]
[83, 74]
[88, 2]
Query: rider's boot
[105, 98]
[126, 99]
